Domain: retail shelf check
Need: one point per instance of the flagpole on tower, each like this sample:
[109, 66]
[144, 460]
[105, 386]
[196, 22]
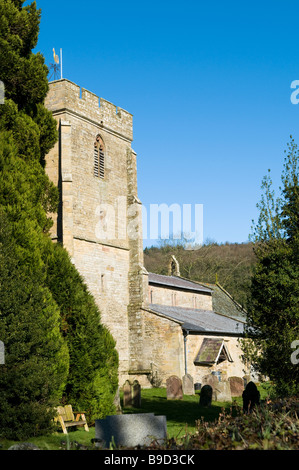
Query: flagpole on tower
[55, 67]
[61, 63]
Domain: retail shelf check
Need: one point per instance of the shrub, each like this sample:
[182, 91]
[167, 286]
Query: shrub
[271, 426]
[36, 356]
[93, 376]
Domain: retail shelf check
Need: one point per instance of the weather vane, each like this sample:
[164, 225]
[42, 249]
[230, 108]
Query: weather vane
[57, 66]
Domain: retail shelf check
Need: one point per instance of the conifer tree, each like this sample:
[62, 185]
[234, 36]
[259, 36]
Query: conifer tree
[93, 377]
[273, 316]
[35, 372]
[27, 132]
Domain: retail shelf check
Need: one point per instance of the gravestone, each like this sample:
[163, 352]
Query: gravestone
[236, 386]
[127, 398]
[174, 388]
[221, 392]
[130, 430]
[251, 397]
[136, 394]
[188, 385]
[210, 379]
[205, 398]
[116, 401]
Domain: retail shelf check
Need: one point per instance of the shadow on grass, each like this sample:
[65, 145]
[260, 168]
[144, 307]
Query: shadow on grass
[179, 413]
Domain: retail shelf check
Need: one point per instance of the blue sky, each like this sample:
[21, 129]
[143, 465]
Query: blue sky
[208, 84]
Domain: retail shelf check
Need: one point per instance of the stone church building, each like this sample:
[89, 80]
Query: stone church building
[162, 325]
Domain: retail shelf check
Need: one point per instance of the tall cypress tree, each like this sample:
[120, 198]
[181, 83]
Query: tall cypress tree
[36, 367]
[35, 372]
[27, 196]
[93, 376]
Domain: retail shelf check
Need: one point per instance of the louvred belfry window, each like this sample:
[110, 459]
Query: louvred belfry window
[99, 158]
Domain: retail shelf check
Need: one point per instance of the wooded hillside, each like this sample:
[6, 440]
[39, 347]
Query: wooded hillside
[230, 264]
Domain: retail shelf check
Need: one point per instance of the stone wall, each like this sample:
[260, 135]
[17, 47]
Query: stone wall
[99, 220]
[179, 298]
[235, 368]
[163, 346]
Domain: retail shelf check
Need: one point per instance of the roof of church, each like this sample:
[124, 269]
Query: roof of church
[224, 303]
[201, 321]
[177, 282]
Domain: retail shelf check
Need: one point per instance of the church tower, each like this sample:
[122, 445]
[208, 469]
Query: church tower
[99, 220]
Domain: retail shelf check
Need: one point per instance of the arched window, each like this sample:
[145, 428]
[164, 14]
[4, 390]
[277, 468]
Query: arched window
[99, 157]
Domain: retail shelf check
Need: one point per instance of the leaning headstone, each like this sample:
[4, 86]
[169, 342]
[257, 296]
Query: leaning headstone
[205, 398]
[188, 385]
[174, 388]
[127, 398]
[130, 430]
[136, 394]
[236, 386]
[221, 392]
[251, 397]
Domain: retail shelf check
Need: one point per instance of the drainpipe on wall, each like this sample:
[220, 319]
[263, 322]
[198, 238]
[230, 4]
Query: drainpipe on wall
[186, 332]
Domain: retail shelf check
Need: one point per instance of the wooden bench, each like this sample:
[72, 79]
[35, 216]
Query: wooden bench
[67, 417]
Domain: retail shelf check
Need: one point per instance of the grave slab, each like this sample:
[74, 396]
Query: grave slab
[130, 430]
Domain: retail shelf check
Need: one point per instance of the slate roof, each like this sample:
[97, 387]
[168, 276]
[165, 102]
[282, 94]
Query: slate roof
[223, 302]
[200, 321]
[177, 282]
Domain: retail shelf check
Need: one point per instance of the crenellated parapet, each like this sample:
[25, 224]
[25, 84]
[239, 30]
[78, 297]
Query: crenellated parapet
[65, 95]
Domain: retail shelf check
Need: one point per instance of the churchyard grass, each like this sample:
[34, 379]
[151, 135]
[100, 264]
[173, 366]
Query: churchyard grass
[58, 440]
[181, 414]
[181, 417]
